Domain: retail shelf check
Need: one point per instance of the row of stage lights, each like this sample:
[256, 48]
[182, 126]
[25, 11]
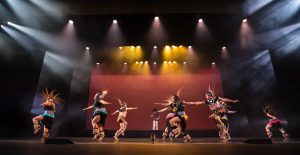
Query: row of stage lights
[155, 63]
[157, 19]
[155, 47]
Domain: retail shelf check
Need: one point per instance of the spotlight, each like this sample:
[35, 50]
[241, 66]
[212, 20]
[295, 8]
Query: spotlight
[165, 62]
[223, 47]
[156, 18]
[9, 23]
[87, 48]
[71, 22]
[155, 47]
[200, 20]
[132, 47]
[180, 46]
[190, 47]
[97, 63]
[154, 63]
[138, 46]
[2, 26]
[169, 62]
[125, 63]
[141, 62]
[213, 63]
[174, 62]
[146, 62]
[115, 21]
[184, 62]
[120, 47]
[245, 20]
[173, 46]
[136, 62]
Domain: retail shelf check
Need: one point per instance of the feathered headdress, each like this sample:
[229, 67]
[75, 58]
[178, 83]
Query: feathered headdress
[51, 96]
[211, 90]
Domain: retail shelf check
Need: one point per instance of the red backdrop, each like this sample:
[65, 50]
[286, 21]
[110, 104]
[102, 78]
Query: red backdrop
[143, 90]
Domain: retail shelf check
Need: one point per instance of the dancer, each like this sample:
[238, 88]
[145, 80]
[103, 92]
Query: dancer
[50, 99]
[121, 118]
[219, 108]
[100, 113]
[274, 122]
[176, 118]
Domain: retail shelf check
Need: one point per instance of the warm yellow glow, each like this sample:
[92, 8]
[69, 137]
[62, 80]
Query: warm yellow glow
[171, 68]
[176, 53]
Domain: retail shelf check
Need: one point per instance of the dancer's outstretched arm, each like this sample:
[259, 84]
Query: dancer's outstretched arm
[89, 107]
[132, 108]
[162, 110]
[194, 103]
[228, 100]
[115, 112]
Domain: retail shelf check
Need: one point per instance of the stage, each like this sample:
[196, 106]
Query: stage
[145, 147]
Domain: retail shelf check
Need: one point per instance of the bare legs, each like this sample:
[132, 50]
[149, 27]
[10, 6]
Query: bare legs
[37, 127]
[97, 129]
[123, 126]
[283, 132]
[155, 125]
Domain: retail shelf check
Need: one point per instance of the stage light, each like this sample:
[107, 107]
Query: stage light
[2, 26]
[245, 20]
[190, 47]
[115, 21]
[180, 46]
[184, 62]
[213, 63]
[156, 18]
[87, 48]
[165, 62]
[97, 63]
[146, 62]
[141, 62]
[173, 46]
[223, 47]
[200, 20]
[174, 62]
[120, 47]
[136, 62]
[155, 47]
[154, 63]
[71, 22]
[169, 62]
[9, 23]
[138, 46]
[125, 63]
[132, 47]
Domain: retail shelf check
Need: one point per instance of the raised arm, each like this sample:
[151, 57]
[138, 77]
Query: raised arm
[228, 100]
[89, 107]
[164, 104]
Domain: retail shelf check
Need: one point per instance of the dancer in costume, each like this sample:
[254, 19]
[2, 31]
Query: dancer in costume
[274, 123]
[50, 100]
[121, 118]
[176, 118]
[219, 108]
[155, 117]
[99, 116]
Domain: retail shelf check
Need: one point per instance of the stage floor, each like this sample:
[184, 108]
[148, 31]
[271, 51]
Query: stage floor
[142, 146]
